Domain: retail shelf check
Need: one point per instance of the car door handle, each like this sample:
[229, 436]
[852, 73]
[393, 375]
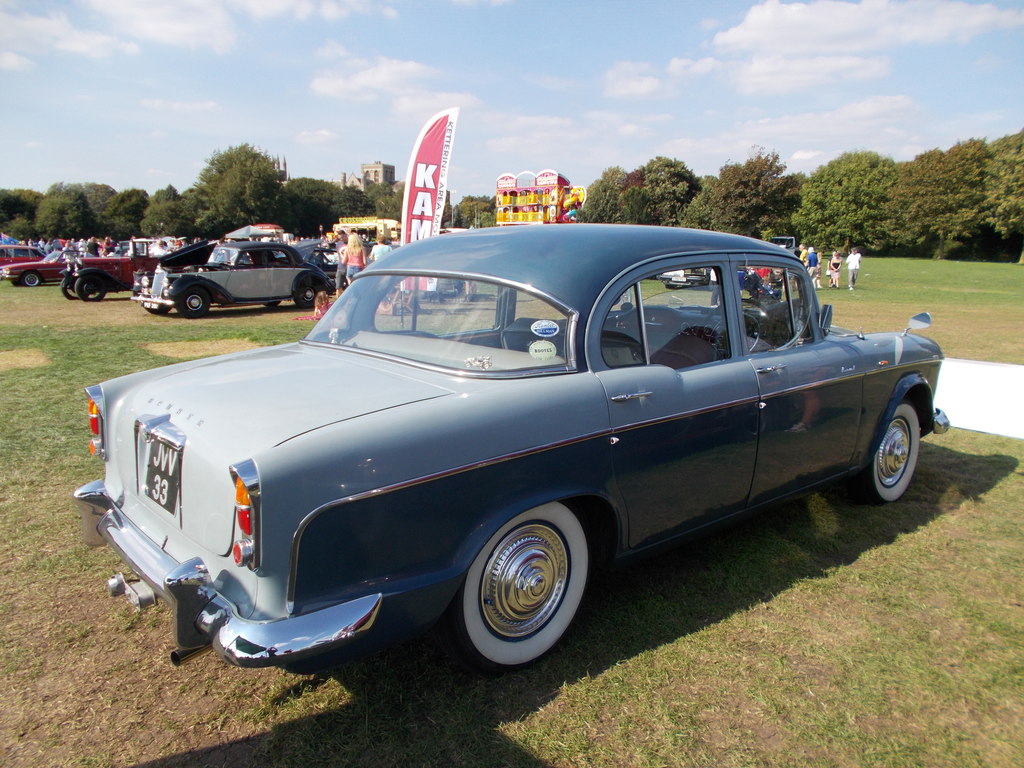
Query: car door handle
[772, 368]
[627, 398]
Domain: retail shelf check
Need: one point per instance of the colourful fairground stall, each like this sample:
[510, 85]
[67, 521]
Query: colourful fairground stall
[537, 198]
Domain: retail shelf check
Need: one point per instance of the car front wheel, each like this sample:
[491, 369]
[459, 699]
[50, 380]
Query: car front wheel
[90, 289]
[193, 303]
[31, 279]
[304, 296]
[521, 593]
[892, 465]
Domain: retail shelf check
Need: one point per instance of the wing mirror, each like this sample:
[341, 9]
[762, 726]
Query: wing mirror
[825, 319]
[919, 322]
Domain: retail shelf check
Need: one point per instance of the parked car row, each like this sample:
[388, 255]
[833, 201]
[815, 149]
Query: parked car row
[512, 408]
[190, 280]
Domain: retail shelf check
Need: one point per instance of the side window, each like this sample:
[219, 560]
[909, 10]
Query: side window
[276, 259]
[621, 338]
[684, 317]
[775, 308]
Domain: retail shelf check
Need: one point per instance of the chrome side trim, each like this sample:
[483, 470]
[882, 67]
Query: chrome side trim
[373, 492]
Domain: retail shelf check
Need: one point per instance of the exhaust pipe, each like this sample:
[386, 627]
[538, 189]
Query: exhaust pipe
[180, 655]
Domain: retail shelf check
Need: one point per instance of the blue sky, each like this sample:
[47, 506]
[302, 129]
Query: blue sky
[140, 93]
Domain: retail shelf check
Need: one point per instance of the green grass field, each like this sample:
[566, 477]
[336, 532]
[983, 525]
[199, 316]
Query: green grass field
[820, 634]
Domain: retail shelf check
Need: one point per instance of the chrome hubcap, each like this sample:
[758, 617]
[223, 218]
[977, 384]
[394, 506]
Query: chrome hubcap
[524, 580]
[194, 302]
[893, 453]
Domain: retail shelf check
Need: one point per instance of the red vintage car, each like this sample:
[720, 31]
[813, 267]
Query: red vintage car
[33, 273]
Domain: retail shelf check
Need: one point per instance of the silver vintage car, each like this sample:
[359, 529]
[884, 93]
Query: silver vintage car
[196, 277]
[508, 409]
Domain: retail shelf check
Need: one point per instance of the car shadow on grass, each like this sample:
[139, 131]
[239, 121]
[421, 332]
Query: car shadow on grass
[409, 706]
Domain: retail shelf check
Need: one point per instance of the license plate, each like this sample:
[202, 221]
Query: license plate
[163, 473]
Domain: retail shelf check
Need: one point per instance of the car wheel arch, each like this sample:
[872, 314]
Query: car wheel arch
[595, 513]
[916, 390]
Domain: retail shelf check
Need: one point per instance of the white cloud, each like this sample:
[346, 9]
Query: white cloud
[404, 83]
[787, 74]
[55, 32]
[187, 23]
[641, 79]
[631, 78]
[383, 78]
[869, 25]
[886, 124]
[331, 50]
[321, 136]
[215, 24]
[178, 107]
[422, 104]
[686, 67]
[12, 62]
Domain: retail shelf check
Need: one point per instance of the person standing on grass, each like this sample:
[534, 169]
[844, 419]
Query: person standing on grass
[853, 266]
[814, 266]
[383, 248]
[834, 265]
[353, 257]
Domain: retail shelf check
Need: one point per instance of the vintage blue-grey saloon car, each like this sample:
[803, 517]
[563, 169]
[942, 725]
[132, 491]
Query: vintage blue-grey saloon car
[479, 421]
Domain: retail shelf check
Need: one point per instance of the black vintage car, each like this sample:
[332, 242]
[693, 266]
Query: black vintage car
[193, 280]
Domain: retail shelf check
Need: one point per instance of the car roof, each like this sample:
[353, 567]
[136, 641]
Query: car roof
[252, 244]
[571, 262]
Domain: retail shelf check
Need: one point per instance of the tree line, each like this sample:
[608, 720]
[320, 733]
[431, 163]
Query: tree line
[238, 186]
[964, 202]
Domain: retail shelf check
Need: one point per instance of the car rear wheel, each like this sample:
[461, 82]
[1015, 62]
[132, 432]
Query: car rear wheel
[68, 290]
[31, 279]
[193, 303]
[521, 592]
[90, 289]
[892, 465]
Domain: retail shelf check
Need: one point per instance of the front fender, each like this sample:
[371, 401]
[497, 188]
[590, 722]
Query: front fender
[915, 388]
[185, 282]
[316, 278]
[109, 281]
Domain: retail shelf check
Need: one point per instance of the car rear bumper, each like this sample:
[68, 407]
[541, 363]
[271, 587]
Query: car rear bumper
[203, 618]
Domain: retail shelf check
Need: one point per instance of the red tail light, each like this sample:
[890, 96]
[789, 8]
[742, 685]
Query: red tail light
[94, 417]
[95, 409]
[245, 550]
[243, 507]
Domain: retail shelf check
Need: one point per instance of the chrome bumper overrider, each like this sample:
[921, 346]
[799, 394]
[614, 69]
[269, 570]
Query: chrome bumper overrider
[153, 300]
[203, 618]
[940, 422]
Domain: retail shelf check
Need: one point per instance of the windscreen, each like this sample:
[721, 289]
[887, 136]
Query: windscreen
[461, 324]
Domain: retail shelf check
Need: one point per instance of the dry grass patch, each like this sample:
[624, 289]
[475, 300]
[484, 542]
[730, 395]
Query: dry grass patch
[12, 359]
[189, 350]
